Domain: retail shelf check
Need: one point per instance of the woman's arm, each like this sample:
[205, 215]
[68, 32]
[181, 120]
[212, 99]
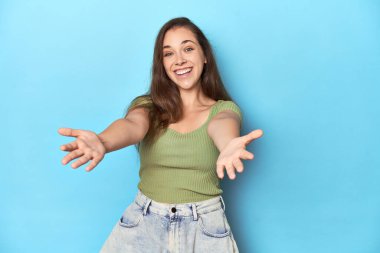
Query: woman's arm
[126, 131]
[224, 130]
[224, 127]
[90, 146]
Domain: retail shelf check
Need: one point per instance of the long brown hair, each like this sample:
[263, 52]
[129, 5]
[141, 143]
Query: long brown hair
[163, 98]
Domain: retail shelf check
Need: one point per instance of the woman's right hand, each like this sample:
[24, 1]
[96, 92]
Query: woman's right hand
[86, 147]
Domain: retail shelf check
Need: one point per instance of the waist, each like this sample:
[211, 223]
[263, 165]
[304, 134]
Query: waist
[172, 185]
[181, 209]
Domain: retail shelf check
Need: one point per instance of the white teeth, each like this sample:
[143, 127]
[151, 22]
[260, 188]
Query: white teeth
[183, 71]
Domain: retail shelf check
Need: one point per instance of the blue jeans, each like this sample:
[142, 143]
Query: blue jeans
[148, 226]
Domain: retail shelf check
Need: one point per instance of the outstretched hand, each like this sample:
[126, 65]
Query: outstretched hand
[86, 147]
[231, 154]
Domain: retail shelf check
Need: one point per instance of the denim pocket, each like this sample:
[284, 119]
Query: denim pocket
[214, 223]
[131, 216]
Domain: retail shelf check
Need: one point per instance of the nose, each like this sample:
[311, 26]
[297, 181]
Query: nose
[180, 60]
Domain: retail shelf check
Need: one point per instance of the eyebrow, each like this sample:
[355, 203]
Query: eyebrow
[183, 42]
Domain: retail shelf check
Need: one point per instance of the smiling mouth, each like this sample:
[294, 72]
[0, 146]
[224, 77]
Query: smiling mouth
[181, 72]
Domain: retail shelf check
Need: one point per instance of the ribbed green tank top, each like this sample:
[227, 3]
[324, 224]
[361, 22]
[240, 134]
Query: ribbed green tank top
[181, 167]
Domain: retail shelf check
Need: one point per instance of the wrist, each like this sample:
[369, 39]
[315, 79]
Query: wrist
[103, 141]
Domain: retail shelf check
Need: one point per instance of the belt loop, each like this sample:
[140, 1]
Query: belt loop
[224, 205]
[146, 205]
[195, 215]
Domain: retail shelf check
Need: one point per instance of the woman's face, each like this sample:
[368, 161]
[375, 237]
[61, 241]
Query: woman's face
[183, 57]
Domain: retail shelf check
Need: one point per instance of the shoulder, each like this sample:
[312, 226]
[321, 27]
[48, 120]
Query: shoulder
[225, 106]
[222, 112]
[139, 107]
[141, 100]
[144, 101]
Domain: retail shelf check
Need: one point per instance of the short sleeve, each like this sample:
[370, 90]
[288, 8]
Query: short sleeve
[140, 101]
[229, 105]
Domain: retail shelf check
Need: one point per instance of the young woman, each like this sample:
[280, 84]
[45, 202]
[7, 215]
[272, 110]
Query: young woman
[187, 131]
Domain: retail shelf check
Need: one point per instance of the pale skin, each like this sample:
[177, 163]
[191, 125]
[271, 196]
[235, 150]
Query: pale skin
[181, 51]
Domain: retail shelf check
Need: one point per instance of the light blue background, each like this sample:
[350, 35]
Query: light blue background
[306, 72]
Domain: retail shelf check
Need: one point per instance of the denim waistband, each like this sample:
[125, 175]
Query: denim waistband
[183, 209]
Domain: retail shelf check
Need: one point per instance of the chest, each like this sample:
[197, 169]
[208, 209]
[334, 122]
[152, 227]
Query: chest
[191, 121]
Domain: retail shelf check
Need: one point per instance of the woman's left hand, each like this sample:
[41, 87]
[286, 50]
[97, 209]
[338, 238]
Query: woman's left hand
[231, 154]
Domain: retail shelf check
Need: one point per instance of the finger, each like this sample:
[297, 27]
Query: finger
[255, 134]
[219, 170]
[93, 163]
[72, 155]
[230, 171]
[238, 165]
[246, 155]
[70, 146]
[84, 159]
[69, 132]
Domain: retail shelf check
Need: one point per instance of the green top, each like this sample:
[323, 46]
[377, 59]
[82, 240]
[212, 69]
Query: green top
[181, 167]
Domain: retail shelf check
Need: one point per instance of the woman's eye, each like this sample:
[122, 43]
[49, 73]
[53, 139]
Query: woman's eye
[189, 49]
[167, 54]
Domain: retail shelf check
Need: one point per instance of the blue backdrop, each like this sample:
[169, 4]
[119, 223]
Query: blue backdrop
[306, 72]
